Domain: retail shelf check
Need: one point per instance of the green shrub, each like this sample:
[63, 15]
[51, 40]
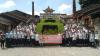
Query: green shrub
[59, 25]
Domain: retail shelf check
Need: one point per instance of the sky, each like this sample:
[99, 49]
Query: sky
[60, 6]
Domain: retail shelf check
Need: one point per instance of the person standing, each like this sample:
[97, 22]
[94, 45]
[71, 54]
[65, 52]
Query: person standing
[25, 40]
[36, 39]
[63, 38]
[97, 39]
[92, 38]
[74, 39]
[70, 38]
[2, 39]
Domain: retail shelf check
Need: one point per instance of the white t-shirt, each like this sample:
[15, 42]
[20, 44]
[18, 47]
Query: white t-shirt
[80, 35]
[96, 36]
[33, 36]
[91, 37]
[37, 37]
[83, 35]
[74, 37]
[66, 34]
[70, 34]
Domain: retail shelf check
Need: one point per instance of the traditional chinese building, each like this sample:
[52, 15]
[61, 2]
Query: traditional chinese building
[93, 12]
[49, 13]
[9, 20]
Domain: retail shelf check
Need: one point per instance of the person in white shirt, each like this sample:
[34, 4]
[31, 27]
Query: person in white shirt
[70, 38]
[96, 35]
[80, 37]
[67, 34]
[74, 38]
[97, 40]
[83, 38]
[36, 39]
[33, 36]
[92, 38]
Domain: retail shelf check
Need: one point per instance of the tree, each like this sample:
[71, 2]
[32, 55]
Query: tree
[85, 3]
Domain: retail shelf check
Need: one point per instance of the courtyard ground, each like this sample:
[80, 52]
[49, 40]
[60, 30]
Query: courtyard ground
[50, 51]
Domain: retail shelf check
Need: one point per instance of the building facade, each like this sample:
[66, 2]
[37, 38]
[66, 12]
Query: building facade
[49, 13]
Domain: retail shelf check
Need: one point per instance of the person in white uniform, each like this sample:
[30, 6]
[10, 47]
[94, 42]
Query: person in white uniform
[70, 38]
[74, 38]
[36, 39]
[97, 39]
[83, 38]
[92, 38]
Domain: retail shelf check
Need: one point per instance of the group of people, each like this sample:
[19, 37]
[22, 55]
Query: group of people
[79, 37]
[27, 40]
[76, 34]
[12, 40]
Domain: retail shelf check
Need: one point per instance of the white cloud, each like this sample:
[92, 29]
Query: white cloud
[8, 4]
[70, 13]
[35, 12]
[28, 12]
[64, 7]
[38, 12]
[1, 11]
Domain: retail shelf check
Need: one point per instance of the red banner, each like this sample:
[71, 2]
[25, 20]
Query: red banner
[51, 39]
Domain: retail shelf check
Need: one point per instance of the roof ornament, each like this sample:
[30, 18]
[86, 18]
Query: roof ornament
[48, 10]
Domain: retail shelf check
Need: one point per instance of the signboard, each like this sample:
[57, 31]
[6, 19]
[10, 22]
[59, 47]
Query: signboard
[51, 39]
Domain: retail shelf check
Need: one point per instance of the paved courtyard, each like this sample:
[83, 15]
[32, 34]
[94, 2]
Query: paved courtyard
[50, 51]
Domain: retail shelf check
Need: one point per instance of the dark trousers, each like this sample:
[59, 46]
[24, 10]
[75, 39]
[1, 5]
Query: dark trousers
[74, 42]
[64, 41]
[97, 42]
[2, 44]
[25, 42]
[70, 41]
